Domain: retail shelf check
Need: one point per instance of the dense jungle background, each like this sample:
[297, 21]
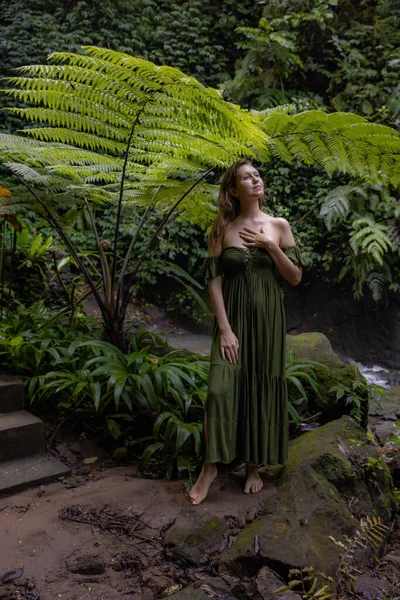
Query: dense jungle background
[117, 120]
[332, 56]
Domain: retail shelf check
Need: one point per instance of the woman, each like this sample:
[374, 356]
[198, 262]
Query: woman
[246, 414]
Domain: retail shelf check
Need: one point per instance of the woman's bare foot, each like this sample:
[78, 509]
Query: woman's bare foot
[200, 490]
[254, 482]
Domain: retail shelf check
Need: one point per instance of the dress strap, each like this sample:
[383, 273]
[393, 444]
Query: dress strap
[295, 255]
[211, 267]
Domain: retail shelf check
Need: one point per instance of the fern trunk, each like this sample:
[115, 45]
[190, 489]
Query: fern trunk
[116, 336]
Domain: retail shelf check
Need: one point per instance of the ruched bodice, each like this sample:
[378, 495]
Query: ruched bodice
[247, 402]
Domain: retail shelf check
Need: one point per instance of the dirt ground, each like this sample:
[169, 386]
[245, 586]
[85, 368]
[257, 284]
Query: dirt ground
[35, 538]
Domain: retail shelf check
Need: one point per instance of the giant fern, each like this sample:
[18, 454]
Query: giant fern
[109, 127]
[87, 104]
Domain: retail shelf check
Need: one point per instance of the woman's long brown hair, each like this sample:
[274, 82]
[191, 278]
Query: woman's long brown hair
[228, 205]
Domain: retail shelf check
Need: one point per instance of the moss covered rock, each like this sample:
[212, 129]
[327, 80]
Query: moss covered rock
[313, 345]
[327, 402]
[331, 472]
[295, 530]
[347, 458]
[334, 374]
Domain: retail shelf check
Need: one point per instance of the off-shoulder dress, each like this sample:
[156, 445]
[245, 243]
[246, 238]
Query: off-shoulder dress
[247, 414]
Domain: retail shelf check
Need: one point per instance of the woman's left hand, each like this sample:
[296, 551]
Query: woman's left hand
[253, 239]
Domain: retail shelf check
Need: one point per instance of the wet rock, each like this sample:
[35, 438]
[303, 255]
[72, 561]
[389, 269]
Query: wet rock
[86, 564]
[326, 470]
[268, 582]
[382, 429]
[192, 535]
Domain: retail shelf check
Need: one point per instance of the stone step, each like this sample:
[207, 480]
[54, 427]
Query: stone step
[16, 475]
[21, 434]
[12, 394]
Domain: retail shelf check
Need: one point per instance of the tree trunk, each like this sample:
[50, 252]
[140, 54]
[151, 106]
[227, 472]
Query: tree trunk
[117, 336]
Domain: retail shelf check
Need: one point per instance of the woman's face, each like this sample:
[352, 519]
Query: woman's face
[249, 184]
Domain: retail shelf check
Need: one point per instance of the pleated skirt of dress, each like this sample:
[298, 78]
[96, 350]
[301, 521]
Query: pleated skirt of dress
[247, 412]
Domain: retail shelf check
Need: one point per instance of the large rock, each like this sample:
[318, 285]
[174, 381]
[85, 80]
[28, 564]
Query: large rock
[316, 346]
[330, 471]
[313, 345]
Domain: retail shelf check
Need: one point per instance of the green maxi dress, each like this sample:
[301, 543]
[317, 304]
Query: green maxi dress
[247, 415]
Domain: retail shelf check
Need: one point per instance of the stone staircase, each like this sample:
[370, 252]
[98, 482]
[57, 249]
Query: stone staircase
[23, 459]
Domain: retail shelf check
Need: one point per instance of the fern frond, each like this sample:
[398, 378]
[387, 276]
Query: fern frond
[336, 205]
[338, 141]
[370, 237]
[393, 231]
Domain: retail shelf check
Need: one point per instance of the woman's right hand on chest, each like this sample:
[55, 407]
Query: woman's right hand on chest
[229, 346]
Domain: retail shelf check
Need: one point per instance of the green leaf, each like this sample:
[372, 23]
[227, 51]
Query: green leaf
[16, 341]
[148, 453]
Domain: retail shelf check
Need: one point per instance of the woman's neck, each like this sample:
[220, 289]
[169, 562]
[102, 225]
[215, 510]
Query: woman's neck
[250, 212]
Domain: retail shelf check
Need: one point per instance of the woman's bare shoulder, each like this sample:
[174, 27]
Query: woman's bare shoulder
[280, 222]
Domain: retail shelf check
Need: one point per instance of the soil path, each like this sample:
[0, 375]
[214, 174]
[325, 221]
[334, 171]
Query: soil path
[35, 538]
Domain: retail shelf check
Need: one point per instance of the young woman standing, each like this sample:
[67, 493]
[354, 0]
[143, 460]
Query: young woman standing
[247, 416]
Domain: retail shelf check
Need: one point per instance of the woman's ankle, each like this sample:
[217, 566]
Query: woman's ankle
[209, 467]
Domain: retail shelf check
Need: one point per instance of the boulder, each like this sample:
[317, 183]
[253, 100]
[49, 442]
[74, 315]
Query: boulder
[331, 471]
[313, 345]
[193, 535]
[316, 346]
[349, 460]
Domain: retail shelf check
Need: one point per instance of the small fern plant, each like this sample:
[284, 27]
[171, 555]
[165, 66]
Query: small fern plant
[372, 531]
[314, 585]
[369, 216]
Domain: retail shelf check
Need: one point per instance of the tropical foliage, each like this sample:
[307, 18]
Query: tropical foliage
[113, 148]
[150, 398]
[334, 55]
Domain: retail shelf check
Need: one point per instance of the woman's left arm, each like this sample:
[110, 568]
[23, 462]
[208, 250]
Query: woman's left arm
[289, 271]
